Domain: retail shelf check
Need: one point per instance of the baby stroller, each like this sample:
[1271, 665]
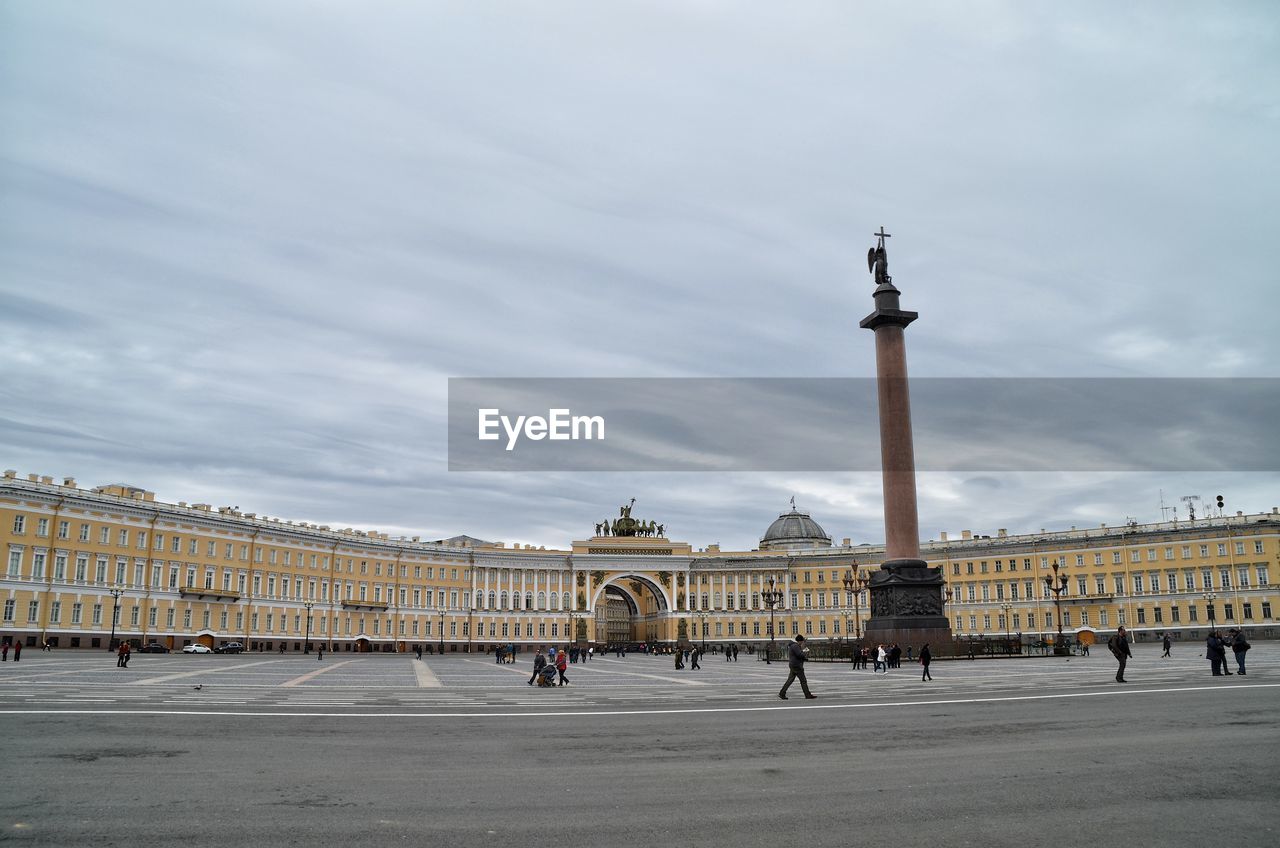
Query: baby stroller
[547, 676]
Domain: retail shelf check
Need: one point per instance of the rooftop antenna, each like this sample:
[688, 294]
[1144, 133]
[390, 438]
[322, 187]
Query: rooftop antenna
[1190, 501]
[1164, 510]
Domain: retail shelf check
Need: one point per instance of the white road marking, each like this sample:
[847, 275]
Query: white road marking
[589, 713]
[214, 670]
[298, 681]
[426, 677]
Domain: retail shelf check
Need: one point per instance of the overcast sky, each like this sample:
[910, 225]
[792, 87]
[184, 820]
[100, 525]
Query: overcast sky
[244, 245]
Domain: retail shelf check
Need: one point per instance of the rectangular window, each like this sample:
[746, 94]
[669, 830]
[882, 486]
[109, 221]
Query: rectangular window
[19, 525]
[42, 527]
[33, 611]
[84, 532]
[1257, 548]
[8, 609]
[1175, 615]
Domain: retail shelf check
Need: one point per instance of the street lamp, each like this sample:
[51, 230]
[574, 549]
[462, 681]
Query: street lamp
[703, 615]
[441, 630]
[116, 591]
[771, 597]
[308, 606]
[854, 583]
[1057, 584]
[1209, 597]
[1005, 608]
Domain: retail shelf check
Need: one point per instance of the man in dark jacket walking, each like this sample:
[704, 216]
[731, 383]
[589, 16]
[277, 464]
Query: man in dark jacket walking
[925, 658]
[1119, 647]
[539, 663]
[796, 657]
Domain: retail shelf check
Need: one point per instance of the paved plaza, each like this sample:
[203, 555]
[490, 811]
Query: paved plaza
[457, 750]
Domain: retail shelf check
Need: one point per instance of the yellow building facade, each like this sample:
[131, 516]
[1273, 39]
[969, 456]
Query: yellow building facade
[82, 566]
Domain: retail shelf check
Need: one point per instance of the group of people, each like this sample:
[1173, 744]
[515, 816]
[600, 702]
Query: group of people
[883, 656]
[4, 650]
[1216, 647]
[688, 655]
[547, 664]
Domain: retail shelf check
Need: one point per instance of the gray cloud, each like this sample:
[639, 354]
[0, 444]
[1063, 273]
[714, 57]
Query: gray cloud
[244, 247]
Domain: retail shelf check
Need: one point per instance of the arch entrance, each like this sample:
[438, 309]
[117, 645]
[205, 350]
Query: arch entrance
[631, 608]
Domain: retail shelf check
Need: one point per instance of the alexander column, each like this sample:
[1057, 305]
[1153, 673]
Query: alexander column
[906, 594]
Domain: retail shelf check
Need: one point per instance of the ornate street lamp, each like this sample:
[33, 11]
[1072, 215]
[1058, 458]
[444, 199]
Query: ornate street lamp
[771, 597]
[1209, 598]
[116, 591]
[441, 630]
[855, 581]
[308, 606]
[703, 615]
[1057, 584]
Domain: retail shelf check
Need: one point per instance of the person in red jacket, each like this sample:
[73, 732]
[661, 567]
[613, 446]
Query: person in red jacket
[562, 663]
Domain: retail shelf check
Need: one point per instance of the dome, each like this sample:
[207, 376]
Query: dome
[794, 529]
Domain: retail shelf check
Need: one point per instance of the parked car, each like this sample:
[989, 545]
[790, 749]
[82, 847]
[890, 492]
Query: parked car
[229, 648]
[197, 649]
[153, 648]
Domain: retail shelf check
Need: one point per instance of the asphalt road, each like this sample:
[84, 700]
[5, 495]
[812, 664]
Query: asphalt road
[374, 752]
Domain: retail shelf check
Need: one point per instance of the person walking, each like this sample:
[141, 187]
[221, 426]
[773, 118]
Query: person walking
[695, 653]
[882, 660]
[1119, 647]
[539, 663]
[17, 650]
[796, 657]
[925, 658]
[120, 655]
[1238, 647]
[679, 659]
[562, 663]
[735, 652]
[320, 654]
[1167, 644]
[4, 651]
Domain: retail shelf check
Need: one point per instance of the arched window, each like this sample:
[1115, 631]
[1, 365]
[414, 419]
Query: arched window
[555, 601]
[505, 600]
[493, 597]
[542, 600]
[479, 604]
[567, 602]
[528, 600]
